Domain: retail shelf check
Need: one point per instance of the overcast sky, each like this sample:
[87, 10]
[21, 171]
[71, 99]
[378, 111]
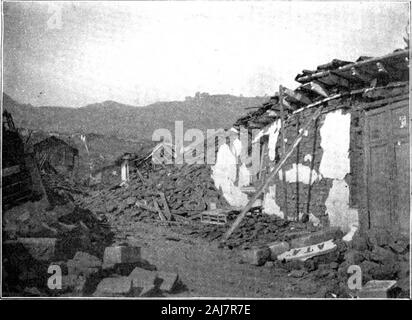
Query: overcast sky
[142, 52]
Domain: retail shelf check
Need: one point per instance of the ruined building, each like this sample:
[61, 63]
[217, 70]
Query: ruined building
[351, 168]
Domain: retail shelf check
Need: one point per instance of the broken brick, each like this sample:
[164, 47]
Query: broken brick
[377, 289]
[114, 287]
[256, 256]
[120, 255]
[83, 264]
[277, 248]
[149, 291]
[170, 281]
[142, 278]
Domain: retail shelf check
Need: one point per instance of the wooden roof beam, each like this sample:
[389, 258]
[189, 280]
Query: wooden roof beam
[296, 96]
[316, 87]
[321, 74]
[360, 75]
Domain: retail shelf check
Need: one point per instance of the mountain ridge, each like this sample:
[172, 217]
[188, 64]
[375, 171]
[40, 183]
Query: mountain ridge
[203, 111]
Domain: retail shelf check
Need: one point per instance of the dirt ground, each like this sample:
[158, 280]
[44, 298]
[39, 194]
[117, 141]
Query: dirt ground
[209, 271]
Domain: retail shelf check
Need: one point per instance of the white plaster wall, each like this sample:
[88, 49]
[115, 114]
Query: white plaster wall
[335, 164]
[335, 137]
[269, 203]
[244, 176]
[273, 138]
[300, 173]
[337, 207]
[224, 176]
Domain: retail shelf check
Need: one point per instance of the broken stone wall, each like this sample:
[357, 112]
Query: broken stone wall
[316, 180]
[324, 177]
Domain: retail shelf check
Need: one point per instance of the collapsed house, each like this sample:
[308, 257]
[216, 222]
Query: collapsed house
[21, 179]
[350, 169]
[57, 153]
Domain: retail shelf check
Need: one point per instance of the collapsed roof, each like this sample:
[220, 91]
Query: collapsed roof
[329, 81]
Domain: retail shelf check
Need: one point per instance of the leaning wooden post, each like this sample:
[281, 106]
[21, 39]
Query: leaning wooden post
[282, 136]
[272, 174]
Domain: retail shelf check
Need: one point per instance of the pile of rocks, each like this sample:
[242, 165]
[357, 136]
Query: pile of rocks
[121, 273]
[60, 188]
[330, 267]
[35, 234]
[256, 229]
[188, 191]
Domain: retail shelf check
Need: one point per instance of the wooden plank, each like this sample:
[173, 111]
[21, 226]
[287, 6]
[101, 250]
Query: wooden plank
[282, 133]
[10, 170]
[140, 176]
[156, 205]
[165, 206]
[321, 74]
[273, 174]
[145, 206]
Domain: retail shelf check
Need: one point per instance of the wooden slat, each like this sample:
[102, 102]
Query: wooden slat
[156, 205]
[282, 134]
[322, 74]
[165, 206]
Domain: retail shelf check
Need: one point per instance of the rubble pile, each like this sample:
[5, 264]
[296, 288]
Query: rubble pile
[60, 189]
[188, 191]
[122, 272]
[377, 260]
[254, 230]
[35, 232]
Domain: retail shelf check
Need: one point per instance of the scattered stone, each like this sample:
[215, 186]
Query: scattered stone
[297, 273]
[149, 291]
[398, 248]
[74, 283]
[277, 248]
[382, 255]
[120, 255]
[142, 278]
[354, 257]
[84, 264]
[111, 207]
[359, 243]
[404, 270]
[170, 281]
[114, 287]
[377, 289]
[131, 201]
[256, 256]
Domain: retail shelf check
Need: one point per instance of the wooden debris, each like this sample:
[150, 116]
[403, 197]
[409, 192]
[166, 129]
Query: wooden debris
[165, 206]
[156, 205]
[216, 216]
